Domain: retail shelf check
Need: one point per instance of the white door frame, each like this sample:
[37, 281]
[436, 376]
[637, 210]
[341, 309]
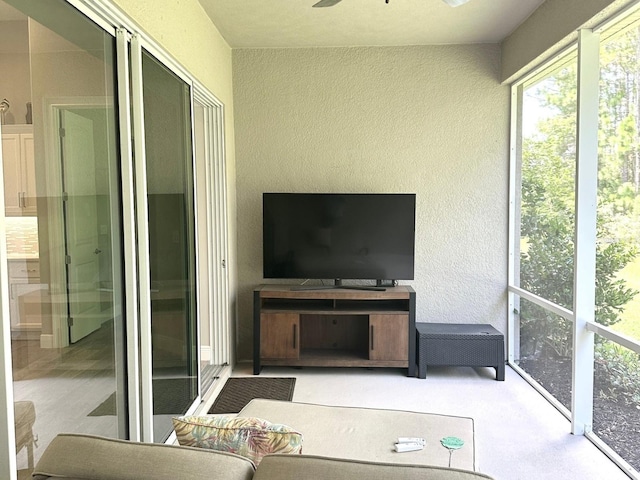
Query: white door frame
[59, 337]
[212, 168]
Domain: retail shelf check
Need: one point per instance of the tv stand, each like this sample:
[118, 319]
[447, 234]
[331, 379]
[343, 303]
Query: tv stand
[334, 326]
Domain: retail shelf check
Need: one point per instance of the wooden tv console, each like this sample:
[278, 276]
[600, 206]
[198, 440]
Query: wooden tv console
[334, 327]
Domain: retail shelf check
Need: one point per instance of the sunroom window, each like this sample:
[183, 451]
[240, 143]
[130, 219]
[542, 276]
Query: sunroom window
[547, 226]
[616, 396]
[575, 278]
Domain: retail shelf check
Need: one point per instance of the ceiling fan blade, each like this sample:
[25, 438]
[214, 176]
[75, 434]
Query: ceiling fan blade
[326, 3]
[455, 3]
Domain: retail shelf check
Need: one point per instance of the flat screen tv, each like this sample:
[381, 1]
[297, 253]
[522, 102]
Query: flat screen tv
[339, 236]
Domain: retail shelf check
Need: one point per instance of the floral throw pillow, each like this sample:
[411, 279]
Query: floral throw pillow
[247, 436]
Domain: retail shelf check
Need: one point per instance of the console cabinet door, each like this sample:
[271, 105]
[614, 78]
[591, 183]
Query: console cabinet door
[388, 337]
[279, 335]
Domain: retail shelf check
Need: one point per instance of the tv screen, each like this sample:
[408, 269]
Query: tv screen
[339, 236]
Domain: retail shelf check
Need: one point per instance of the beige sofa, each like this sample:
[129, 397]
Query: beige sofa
[339, 443]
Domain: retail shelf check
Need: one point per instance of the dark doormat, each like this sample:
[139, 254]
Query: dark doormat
[171, 396]
[238, 391]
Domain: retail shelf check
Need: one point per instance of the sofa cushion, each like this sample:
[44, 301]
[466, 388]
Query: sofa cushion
[283, 467]
[88, 457]
[250, 437]
[368, 434]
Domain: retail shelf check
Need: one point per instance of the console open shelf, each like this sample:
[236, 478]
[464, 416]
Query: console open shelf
[334, 328]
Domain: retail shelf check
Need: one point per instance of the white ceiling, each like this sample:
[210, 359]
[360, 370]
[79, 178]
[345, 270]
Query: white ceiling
[294, 23]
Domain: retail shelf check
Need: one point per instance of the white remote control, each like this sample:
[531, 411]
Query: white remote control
[411, 440]
[408, 447]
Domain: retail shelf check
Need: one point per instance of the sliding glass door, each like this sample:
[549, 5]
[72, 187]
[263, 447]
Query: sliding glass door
[63, 225]
[169, 175]
[99, 225]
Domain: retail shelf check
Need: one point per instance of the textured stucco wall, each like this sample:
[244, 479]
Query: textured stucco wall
[431, 120]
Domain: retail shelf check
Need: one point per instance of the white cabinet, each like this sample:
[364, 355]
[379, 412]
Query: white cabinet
[24, 281]
[19, 170]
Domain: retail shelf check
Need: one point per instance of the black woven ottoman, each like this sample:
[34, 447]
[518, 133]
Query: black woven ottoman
[464, 345]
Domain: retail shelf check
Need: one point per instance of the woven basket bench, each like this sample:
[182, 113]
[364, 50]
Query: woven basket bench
[468, 345]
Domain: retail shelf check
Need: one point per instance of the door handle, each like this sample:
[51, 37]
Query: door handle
[295, 335]
[372, 343]
[97, 251]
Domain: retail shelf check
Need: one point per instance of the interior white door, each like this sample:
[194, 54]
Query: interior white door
[81, 224]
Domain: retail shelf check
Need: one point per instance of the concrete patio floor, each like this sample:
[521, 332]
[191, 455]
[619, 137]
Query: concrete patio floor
[519, 435]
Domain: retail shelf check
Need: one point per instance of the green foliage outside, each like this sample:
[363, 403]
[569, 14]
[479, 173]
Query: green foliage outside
[622, 369]
[629, 323]
[547, 205]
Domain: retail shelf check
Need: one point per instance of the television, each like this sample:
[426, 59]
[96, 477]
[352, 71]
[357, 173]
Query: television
[358, 236]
